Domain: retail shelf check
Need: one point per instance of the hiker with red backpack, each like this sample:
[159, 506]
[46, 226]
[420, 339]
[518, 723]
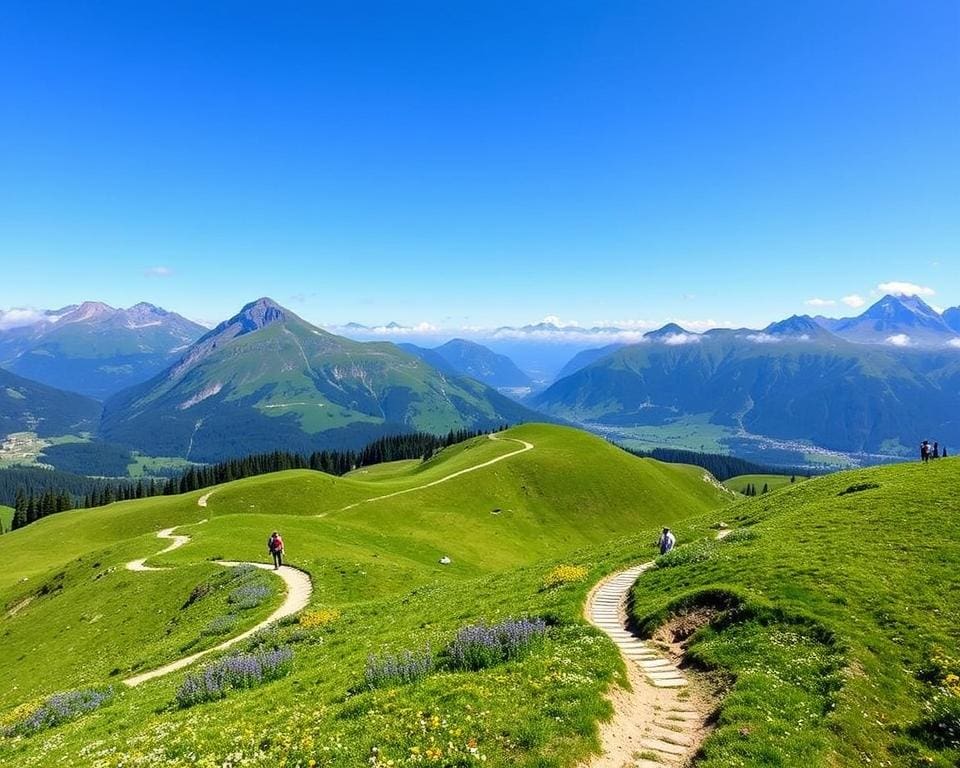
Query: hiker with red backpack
[275, 545]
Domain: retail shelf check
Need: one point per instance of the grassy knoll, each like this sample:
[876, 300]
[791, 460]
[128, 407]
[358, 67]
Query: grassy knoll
[389, 470]
[6, 517]
[837, 634]
[773, 482]
[572, 499]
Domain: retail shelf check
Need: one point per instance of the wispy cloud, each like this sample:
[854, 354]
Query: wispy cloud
[854, 300]
[679, 339]
[899, 340]
[763, 338]
[955, 343]
[17, 317]
[158, 272]
[820, 302]
[905, 289]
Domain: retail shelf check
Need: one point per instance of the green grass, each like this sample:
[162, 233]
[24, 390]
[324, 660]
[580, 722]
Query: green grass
[505, 527]
[833, 611]
[153, 466]
[389, 470]
[833, 601]
[6, 517]
[773, 482]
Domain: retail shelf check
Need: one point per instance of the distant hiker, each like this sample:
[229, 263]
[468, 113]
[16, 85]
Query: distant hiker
[943, 452]
[925, 451]
[275, 545]
[667, 541]
[936, 450]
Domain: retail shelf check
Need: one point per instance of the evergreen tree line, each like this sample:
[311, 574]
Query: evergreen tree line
[84, 491]
[30, 505]
[416, 445]
[720, 466]
[36, 493]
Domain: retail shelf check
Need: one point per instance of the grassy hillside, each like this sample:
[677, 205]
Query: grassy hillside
[6, 517]
[376, 573]
[837, 634]
[773, 482]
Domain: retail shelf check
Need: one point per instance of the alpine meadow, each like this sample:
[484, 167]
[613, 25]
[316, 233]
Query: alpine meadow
[522, 385]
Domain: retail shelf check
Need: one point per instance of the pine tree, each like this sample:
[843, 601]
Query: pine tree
[19, 518]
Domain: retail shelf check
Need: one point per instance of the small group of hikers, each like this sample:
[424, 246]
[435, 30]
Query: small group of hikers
[930, 450]
[275, 547]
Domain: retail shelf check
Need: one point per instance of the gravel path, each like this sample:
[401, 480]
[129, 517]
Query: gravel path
[655, 723]
[299, 588]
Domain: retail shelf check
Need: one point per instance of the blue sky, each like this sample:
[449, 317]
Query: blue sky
[480, 164]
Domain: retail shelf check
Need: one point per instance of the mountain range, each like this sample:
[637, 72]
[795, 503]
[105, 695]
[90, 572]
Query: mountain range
[899, 320]
[794, 380]
[95, 349]
[467, 358]
[266, 379]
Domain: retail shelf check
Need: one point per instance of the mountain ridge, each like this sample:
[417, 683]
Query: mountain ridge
[95, 349]
[266, 377]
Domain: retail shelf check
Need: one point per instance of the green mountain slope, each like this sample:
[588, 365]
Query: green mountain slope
[80, 616]
[468, 358]
[28, 406]
[266, 379]
[793, 380]
[838, 626]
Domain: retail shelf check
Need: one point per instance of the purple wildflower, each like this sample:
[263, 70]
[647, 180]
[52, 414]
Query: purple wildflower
[406, 667]
[249, 595]
[61, 707]
[239, 670]
[478, 646]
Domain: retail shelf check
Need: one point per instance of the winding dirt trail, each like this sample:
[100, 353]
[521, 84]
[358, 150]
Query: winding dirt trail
[655, 723]
[299, 585]
[178, 540]
[299, 588]
[526, 447]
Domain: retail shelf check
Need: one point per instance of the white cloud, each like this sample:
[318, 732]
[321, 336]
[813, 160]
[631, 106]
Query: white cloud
[820, 302]
[677, 339]
[563, 335]
[899, 340]
[158, 272]
[19, 317]
[854, 300]
[763, 338]
[905, 289]
[954, 343]
[554, 320]
[404, 330]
